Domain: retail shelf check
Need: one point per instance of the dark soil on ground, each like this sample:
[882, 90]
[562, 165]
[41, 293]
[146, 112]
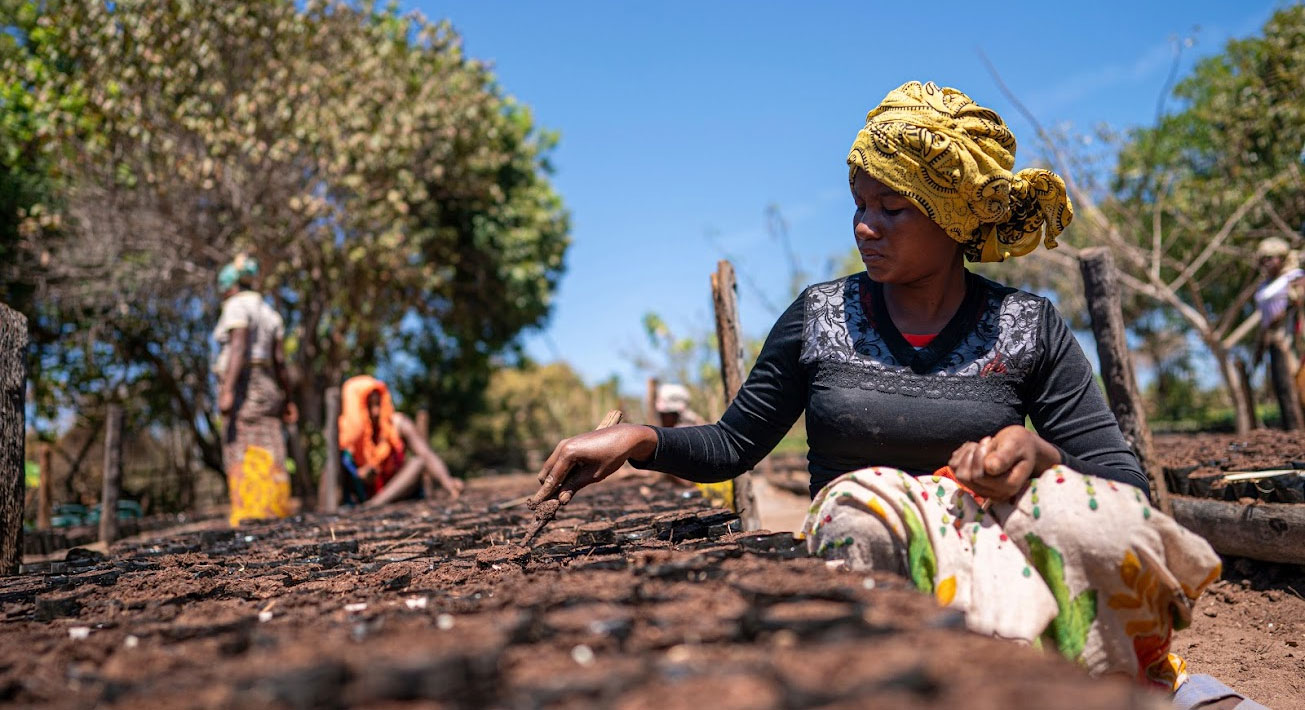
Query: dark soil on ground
[1193, 463]
[635, 597]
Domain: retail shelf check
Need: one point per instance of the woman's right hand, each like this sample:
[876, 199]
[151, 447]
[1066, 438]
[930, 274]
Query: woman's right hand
[591, 457]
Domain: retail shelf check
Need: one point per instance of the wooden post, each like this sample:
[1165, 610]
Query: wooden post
[1284, 386]
[13, 436]
[303, 480]
[729, 334]
[43, 503]
[112, 474]
[422, 422]
[654, 418]
[328, 488]
[1101, 287]
[1245, 415]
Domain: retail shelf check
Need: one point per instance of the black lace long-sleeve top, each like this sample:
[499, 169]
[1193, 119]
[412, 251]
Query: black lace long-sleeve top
[871, 399]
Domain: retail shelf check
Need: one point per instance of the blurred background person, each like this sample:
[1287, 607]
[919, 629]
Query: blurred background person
[672, 405]
[384, 458]
[1280, 300]
[252, 396]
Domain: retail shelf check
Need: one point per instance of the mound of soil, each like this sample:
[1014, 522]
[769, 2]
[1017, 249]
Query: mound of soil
[636, 597]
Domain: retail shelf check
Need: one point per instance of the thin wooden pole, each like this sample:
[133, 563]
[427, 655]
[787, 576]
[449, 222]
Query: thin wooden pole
[112, 474]
[729, 335]
[1101, 287]
[1284, 386]
[328, 488]
[422, 422]
[303, 480]
[654, 417]
[13, 436]
[43, 503]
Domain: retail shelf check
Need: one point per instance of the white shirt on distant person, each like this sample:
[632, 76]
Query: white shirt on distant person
[1272, 298]
[247, 309]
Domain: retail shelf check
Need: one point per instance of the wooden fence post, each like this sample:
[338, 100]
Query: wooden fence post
[729, 335]
[1101, 287]
[303, 480]
[13, 436]
[1284, 386]
[1244, 406]
[112, 474]
[422, 423]
[650, 409]
[43, 503]
[328, 488]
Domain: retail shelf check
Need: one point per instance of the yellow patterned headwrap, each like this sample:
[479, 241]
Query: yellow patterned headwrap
[952, 158]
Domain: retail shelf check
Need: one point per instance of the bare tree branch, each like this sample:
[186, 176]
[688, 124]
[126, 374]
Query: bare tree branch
[1157, 234]
[1223, 232]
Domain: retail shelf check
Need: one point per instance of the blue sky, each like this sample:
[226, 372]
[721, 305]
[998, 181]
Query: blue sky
[681, 122]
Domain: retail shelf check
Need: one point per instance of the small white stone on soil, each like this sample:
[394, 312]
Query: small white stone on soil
[264, 616]
[679, 654]
[77, 633]
[583, 655]
[130, 641]
[444, 622]
[415, 603]
[784, 638]
[868, 583]
[355, 608]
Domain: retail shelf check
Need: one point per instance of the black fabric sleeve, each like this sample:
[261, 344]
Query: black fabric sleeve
[1069, 410]
[771, 399]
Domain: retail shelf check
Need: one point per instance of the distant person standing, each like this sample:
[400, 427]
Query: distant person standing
[253, 396]
[672, 405]
[1280, 300]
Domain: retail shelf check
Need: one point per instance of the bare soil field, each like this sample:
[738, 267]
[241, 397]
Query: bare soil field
[636, 597]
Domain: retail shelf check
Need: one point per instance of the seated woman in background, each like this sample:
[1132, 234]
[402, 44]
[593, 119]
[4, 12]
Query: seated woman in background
[384, 457]
[916, 378]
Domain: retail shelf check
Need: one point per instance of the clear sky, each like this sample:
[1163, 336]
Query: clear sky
[681, 122]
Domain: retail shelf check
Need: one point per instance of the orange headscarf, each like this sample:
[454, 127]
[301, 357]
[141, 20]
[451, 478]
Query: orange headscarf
[356, 426]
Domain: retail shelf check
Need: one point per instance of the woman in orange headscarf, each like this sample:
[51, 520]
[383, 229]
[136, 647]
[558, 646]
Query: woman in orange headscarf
[381, 449]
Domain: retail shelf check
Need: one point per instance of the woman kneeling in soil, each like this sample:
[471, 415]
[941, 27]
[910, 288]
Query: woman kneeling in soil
[385, 459]
[916, 377]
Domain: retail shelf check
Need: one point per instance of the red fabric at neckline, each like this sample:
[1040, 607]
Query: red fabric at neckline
[919, 341]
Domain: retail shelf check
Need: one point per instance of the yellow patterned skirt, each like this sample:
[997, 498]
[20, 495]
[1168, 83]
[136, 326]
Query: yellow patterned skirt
[253, 450]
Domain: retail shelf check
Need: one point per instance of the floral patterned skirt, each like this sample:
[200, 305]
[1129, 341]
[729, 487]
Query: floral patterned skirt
[1078, 564]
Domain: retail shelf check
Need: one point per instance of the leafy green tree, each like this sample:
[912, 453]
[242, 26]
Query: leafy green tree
[396, 196]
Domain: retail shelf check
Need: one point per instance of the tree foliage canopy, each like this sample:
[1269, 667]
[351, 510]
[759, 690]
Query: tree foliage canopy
[396, 197]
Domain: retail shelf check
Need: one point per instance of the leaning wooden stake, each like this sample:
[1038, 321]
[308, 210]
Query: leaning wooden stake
[1101, 287]
[1284, 387]
[13, 426]
[729, 334]
[43, 503]
[328, 488]
[651, 409]
[112, 475]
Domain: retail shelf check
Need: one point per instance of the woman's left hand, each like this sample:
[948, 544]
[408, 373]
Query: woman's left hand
[998, 466]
